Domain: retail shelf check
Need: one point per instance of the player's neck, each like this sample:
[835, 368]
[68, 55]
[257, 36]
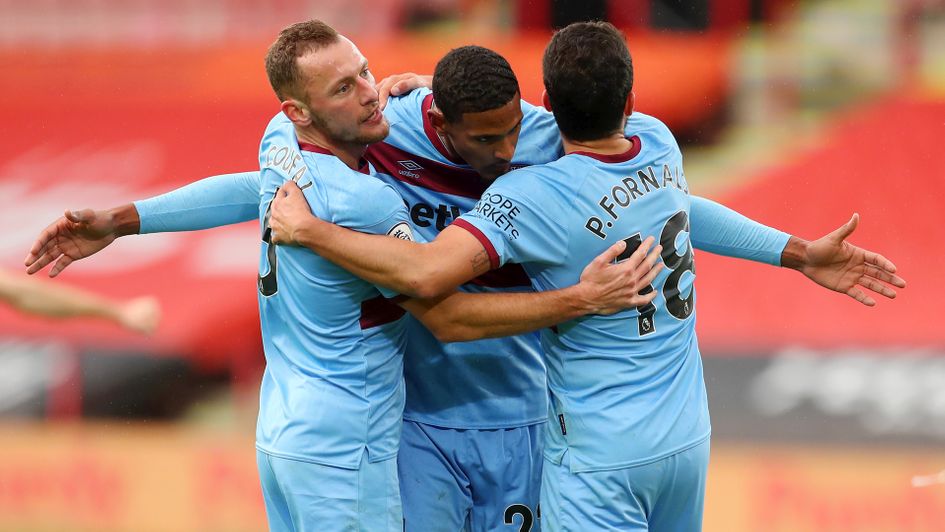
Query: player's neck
[445, 140]
[349, 153]
[613, 144]
[448, 144]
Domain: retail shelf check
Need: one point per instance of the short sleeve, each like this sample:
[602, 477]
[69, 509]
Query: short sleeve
[518, 220]
[383, 212]
[404, 107]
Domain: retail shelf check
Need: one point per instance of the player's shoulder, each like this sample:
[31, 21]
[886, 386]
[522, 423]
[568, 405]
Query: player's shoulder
[278, 130]
[367, 202]
[642, 124]
[334, 176]
[539, 140]
[277, 124]
[537, 115]
[353, 199]
[408, 130]
[280, 156]
[327, 165]
[406, 106]
[531, 182]
[544, 191]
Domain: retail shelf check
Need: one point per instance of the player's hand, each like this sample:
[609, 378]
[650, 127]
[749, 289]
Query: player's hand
[78, 234]
[834, 263]
[288, 212]
[141, 315]
[612, 287]
[400, 84]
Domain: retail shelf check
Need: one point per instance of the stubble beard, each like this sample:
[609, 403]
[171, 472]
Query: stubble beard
[354, 134]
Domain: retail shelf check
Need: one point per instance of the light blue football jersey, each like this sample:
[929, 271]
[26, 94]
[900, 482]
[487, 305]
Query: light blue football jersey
[484, 384]
[625, 389]
[333, 384]
[494, 383]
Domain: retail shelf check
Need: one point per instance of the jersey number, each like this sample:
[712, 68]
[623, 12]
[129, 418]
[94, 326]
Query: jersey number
[527, 519]
[268, 285]
[677, 265]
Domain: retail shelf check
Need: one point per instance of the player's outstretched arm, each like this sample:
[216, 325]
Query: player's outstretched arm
[720, 230]
[416, 270]
[211, 202]
[830, 261]
[834, 263]
[604, 288]
[60, 301]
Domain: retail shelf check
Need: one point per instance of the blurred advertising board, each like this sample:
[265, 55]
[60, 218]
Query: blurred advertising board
[802, 488]
[120, 477]
[864, 396]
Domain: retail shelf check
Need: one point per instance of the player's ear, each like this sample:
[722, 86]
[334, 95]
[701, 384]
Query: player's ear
[297, 112]
[437, 120]
[545, 100]
[628, 107]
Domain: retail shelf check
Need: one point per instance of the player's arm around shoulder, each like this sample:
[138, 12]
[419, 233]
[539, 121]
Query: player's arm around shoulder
[408, 267]
[605, 287]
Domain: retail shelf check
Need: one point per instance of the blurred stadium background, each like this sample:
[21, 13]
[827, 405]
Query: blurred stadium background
[827, 416]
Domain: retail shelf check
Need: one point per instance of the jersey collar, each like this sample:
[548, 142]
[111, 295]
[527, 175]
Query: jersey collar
[362, 163]
[432, 134]
[635, 146]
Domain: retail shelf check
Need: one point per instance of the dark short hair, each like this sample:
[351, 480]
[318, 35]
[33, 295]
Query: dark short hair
[472, 79]
[295, 41]
[588, 75]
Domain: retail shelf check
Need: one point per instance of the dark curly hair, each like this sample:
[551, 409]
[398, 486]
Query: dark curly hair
[472, 79]
[588, 75]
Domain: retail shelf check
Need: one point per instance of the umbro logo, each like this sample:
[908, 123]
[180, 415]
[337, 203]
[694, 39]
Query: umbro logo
[410, 165]
[410, 169]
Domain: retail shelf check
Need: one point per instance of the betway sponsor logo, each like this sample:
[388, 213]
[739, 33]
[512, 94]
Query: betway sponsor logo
[425, 214]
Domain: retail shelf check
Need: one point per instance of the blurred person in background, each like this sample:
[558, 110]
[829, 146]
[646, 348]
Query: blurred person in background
[31, 296]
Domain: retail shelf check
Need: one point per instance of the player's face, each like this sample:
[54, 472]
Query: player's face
[486, 140]
[341, 95]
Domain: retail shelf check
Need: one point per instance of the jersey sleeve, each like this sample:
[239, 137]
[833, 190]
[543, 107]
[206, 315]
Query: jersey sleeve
[219, 200]
[517, 227]
[388, 215]
[717, 229]
[382, 212]
[401, 108]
